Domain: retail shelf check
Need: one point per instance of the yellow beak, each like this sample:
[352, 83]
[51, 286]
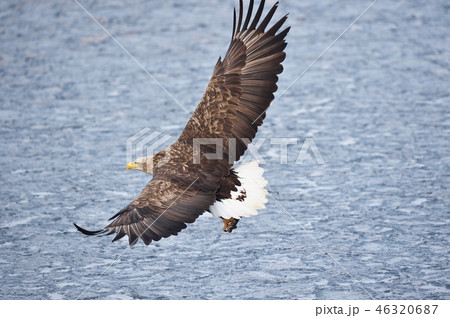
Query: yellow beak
[131, 165]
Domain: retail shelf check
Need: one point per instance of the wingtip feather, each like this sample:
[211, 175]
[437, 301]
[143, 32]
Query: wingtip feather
[87, 232]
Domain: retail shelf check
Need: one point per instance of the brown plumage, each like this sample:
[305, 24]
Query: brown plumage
[233, 106]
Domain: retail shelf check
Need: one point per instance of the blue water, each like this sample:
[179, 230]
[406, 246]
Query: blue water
[376, 104]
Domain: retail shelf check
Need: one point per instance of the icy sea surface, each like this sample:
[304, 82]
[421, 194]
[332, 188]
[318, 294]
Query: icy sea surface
[373, 221]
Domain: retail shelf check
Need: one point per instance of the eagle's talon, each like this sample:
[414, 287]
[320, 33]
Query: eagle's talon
[229, 224]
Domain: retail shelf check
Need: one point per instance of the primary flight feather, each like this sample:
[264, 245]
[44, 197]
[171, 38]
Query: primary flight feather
[187, 181]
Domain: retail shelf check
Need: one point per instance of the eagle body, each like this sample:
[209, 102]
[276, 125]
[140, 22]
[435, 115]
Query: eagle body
[187, 180]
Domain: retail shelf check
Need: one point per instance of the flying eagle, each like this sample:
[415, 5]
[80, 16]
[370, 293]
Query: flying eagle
[187, 179]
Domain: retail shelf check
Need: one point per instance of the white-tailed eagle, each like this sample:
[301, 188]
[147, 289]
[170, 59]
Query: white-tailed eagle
[186, 180]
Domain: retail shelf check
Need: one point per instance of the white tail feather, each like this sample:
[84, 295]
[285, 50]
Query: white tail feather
[251, 191]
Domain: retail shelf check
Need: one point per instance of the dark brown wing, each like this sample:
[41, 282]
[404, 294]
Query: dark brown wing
[179, 193]
[242, 85]
[162, 209]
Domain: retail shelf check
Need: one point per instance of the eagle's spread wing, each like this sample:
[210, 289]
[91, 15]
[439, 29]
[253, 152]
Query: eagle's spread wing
[242, 85]
[176, 195]
[160, 210]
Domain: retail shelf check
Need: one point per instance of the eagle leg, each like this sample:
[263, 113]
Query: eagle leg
[229, 224]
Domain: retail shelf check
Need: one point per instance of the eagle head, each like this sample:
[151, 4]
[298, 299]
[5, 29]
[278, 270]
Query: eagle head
[144, 164]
